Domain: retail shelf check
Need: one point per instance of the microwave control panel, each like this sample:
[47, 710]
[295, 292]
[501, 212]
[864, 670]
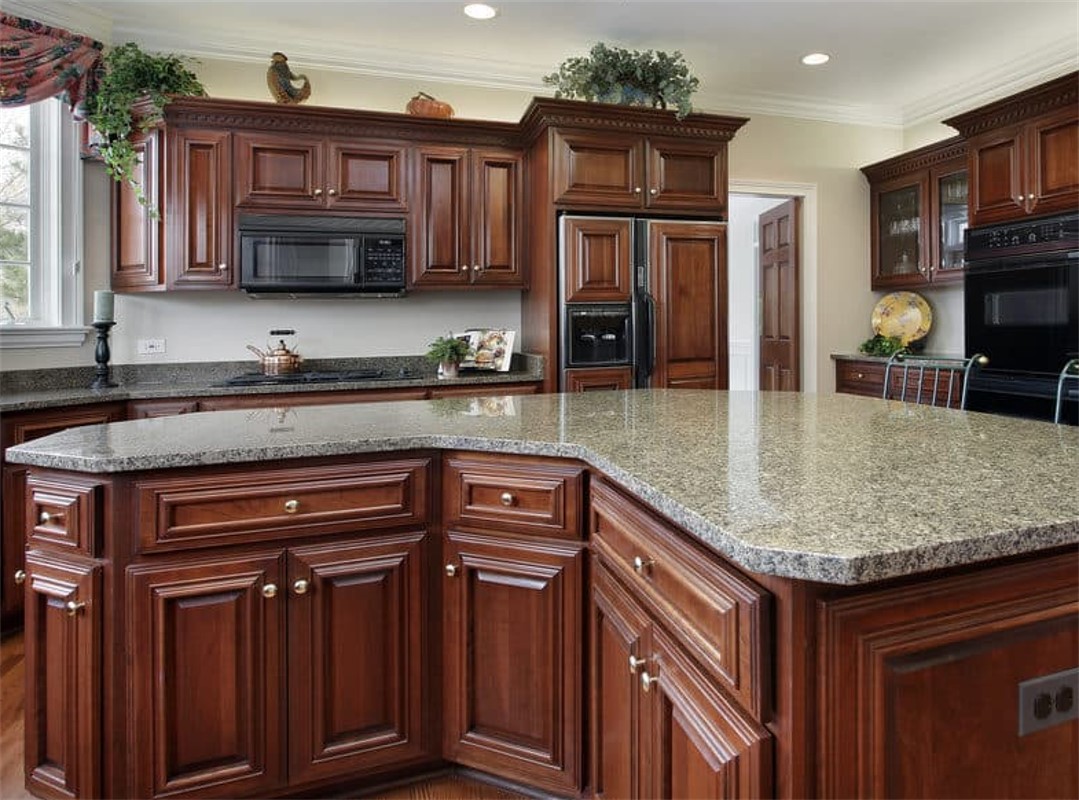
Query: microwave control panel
[383, 262]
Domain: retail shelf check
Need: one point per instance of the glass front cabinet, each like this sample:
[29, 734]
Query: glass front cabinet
[918, 213]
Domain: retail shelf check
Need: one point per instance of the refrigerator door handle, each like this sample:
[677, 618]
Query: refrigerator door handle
[648, 337]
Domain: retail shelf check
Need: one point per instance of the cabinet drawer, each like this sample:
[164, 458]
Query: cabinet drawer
[200, 511]
[717, 612]
[63, 511]
[514, 494]
[859, 377]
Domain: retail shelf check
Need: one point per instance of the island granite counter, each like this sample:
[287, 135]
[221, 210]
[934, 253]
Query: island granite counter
[818, 576]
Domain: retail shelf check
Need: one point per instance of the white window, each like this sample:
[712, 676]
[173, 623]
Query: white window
[40, 227]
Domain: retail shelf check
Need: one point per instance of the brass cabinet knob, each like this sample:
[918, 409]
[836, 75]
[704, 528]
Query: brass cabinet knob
[636, 189]
[647, 681]
[506, 499]
[46, 517]
[300, 586]
[73, 608]
[317, 193]
[465, 268]
[451, 570]
[859, 375]
[641, 565]
[1019, 199]
[269, 590]
[1030, 196]
[653, 191]
[636, 663]
[331, 192]
[476, 268]
[292, 506]
[222, 267]
[20, 577]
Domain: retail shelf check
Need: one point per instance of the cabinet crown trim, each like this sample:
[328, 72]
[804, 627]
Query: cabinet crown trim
[1060, 93]
[905, 163]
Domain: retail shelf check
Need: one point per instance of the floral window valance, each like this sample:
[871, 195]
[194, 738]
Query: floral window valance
[37, 62]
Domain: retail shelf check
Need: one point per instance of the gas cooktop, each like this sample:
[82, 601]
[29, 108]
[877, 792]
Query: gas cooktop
[335, 376]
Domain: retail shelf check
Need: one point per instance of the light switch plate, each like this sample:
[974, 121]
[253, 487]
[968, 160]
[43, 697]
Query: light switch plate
[147, 347]
[1048, 700]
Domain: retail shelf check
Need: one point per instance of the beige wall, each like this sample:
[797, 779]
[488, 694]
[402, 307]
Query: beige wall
[207, 326]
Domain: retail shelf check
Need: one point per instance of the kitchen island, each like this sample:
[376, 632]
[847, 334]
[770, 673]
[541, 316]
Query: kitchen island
[802, 586]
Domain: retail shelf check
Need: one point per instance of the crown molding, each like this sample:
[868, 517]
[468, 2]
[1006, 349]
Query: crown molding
[71, 16]
[819, 109]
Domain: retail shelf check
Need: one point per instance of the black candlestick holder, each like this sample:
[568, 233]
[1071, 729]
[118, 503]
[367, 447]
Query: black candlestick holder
[101, 356]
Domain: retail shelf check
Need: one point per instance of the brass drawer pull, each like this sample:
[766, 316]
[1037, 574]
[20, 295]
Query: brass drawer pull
[74, 608]
[641, 565]
[506, 499]
[647, 681]
[20, 577]
[269, 590]
[636, 663]
[292, 506]
[300, 586]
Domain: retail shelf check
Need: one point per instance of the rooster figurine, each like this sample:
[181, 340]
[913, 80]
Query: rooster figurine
[279, 78]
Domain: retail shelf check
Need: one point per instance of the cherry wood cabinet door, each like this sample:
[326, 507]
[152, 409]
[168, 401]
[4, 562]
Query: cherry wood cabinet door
[206, 698]
[513, 633]
[900, 232]
[688, 263]
[996, 176]
[687, 175]
[598, 259]
[367, 177]
[198, 226]
[497, 198]
[948, 211]
[62, 752]
[279, 170]
[135, 259]
[598, 379]
[620, 729]
[601, 170]
[1053, 171]
[703, 745]
[441, 240]
[358, 694]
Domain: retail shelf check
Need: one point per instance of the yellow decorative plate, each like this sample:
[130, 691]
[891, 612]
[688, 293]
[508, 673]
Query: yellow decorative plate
[903, 314]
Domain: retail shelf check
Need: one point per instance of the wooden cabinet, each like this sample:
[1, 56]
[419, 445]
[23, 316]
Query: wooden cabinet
[301, 171]
[918, 204]
[16, 428]
[859, 377]
[610, 170]
[866, 377]
[198, 219]
[135, 259]
[513, 627]
[597, 259]
[598, 379]
[1024, 153]
[468, 224]
[148, 409]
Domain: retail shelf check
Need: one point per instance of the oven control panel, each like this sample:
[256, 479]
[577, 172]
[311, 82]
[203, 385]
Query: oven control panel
[1035, 236]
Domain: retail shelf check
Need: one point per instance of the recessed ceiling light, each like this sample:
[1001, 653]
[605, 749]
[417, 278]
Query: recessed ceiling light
[480, 11]
[816, 59]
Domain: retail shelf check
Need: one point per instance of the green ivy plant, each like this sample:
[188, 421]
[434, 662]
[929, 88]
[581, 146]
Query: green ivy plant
[630, 77]
[128, 75]
[880, 345]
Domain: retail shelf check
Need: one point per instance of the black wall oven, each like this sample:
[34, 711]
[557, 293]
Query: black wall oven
[1021, 297]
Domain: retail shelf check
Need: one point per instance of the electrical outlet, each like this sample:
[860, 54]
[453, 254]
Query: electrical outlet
[1048, 700]
[149, 347]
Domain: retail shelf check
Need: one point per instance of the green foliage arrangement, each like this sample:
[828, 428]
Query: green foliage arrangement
[129, 75]
[882, 346]
[447, 349]
[630, 77]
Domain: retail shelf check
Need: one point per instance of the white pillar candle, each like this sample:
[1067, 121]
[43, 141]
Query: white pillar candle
[103, 305]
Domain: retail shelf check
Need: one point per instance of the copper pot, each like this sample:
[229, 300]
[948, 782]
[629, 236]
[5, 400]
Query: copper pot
[278, 361]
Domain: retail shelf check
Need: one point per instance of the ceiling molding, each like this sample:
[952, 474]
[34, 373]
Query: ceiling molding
[1006, 79]
[70, 16]
[818, 109]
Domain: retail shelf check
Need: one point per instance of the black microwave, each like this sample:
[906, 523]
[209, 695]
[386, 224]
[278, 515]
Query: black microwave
[295, 254]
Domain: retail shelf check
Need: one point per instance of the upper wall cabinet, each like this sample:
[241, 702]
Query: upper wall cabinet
[1024, 153]
[918, 215]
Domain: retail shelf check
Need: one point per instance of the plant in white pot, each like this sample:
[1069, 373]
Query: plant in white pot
[448, 352]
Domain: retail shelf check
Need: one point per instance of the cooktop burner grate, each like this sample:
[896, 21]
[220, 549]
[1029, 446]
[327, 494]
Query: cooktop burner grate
[343, 376]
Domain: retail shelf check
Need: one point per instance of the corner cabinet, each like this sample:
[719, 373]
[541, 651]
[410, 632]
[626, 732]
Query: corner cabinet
[918, 204]
[1024, 153]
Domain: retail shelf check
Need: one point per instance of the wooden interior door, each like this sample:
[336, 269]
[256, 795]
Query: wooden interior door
[356, 655]
[688, 278]
[780, 324]
[512, 649]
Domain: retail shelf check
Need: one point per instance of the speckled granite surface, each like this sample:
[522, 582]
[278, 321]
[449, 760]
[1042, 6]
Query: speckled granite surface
[834, 488]
[27, 389]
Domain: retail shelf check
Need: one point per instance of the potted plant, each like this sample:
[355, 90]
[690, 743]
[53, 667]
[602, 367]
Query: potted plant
[630, 77]
[448, 352]
[127, 76]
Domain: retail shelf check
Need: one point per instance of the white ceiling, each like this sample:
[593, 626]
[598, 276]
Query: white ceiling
[893, 63]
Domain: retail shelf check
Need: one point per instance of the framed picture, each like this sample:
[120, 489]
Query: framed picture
[489, 349]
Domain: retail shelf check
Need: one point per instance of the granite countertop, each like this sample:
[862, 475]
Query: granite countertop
[28, 390]
[833, 488]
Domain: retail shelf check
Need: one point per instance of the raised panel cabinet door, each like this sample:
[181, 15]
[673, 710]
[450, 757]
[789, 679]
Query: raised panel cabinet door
[442, 245]
[996, 176]
[358, 692]
[135, 262]
[1053, 182]
[621, 731]
[598, 259]
[900, 239]
[206, 691]
[497, 200]
[598, 170]
[62, 745]
[703, 745]
[598, 379]
[948, 212]
[198, 232]
[688, 175]
[279, 171]
[368, 177]
[512, 633]
[688, 266]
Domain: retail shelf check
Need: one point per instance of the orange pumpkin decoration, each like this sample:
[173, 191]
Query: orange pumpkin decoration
[423, 105]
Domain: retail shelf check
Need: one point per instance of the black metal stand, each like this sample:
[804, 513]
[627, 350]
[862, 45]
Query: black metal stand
[101, 356]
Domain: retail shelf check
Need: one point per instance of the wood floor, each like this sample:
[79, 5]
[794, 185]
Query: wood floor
[450, 787]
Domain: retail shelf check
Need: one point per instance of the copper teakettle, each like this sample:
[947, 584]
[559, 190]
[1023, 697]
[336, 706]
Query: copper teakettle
[278, 360]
